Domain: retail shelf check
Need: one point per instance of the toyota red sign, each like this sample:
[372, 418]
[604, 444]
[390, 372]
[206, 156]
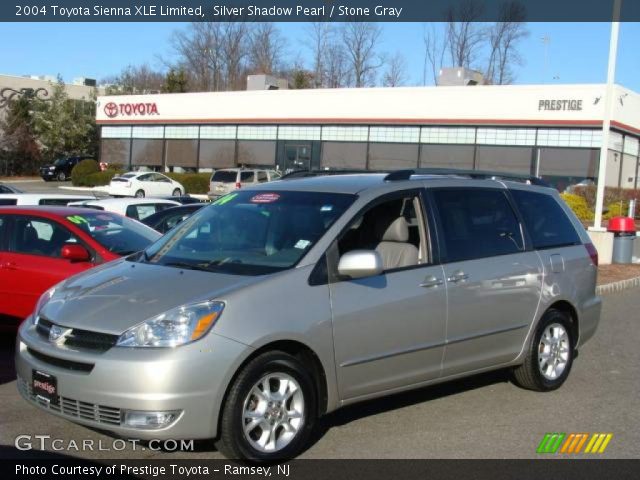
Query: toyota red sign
[141, 109]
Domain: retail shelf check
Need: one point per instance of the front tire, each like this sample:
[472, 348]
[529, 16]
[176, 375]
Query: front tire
[140, 194]
[550, 354]
[62, 177]
[177, 192]
[270, 410]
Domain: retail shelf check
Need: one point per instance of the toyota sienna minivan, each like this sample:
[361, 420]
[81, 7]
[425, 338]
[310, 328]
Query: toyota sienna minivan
[280, 303]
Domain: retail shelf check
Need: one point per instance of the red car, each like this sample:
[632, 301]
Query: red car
[41, 246]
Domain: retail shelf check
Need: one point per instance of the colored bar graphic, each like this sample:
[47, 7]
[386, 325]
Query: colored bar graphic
[574, 442]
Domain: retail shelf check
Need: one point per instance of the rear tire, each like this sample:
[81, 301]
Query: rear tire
[62, 177]
[140, 194]
[270, 410]
[550, 355]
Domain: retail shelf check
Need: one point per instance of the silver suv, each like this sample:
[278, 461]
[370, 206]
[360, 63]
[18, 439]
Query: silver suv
[278, 304]
[229, 179]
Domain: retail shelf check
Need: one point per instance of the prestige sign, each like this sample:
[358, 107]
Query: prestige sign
[560, 105]
[140, 109]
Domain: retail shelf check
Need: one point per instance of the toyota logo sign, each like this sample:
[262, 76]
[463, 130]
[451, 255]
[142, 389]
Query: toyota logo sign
[111, 109]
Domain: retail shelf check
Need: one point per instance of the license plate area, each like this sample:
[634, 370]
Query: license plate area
[45, 386]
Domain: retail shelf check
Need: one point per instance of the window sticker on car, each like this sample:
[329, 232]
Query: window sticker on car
[77, 219]
[326, 208]
[302, 244]
[225, 199]
[265, 198]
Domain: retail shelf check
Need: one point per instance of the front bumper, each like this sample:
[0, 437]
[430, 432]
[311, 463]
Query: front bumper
[191, 379]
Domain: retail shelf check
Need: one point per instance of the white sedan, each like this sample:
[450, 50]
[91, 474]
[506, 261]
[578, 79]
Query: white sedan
[144, 184]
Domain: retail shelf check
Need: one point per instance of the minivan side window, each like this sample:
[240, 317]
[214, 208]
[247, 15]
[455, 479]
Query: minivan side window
[246, 177]
[545, 220]
[476, 223]
[8, 201]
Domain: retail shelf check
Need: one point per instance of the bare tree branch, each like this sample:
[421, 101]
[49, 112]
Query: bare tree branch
[503, 38]
[396, 72]
[266, 48]
[360, 40]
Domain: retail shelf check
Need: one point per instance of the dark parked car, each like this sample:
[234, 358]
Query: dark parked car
[165, 220]
[60, 169]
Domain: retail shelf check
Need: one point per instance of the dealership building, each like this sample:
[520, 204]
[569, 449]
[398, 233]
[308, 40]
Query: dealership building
[554, 131]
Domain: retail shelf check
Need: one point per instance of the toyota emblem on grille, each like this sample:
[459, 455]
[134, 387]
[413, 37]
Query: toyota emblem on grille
[57, 334]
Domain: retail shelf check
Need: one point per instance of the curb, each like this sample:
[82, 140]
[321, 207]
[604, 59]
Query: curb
[619, 286]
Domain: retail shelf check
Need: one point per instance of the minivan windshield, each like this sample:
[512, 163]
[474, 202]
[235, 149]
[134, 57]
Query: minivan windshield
[250, 232]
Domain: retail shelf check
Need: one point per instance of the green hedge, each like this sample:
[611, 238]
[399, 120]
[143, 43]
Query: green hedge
[197, 183]
[82, 170]
[99, 179]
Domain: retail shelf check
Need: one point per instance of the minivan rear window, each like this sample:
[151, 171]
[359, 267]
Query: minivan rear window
[224, 176]
[8, 201]
[546, 221]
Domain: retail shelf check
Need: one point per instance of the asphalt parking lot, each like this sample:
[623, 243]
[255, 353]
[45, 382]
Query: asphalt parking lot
[40, 186]
[480, 417]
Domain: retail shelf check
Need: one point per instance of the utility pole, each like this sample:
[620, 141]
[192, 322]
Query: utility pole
[608, 113]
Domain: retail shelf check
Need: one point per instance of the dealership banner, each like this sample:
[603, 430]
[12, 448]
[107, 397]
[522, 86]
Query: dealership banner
[59, 467]
[314, 10]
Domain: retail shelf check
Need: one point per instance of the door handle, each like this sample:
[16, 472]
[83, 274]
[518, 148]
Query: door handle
[458, 276]
[431, 281]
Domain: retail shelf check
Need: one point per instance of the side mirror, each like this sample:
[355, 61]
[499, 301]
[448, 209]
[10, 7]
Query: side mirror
[75, 253]
[360, 264]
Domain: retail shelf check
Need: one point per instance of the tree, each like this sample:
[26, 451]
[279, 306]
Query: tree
[504, 36]
[396, 72]
[133, 80]
[64, 126]
[336, 66]
[360, 41]
[319, 36]
[234, 47]
[435, 48]
[19, 147]
[464, 33]
[266, 48]
[175, 81]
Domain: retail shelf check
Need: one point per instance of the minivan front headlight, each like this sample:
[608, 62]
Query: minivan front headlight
[178, 326]
[42, 301]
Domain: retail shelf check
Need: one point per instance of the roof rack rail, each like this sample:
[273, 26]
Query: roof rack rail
[475, 174]
[321, 172]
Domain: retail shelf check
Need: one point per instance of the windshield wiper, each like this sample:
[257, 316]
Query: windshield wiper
[189, 266]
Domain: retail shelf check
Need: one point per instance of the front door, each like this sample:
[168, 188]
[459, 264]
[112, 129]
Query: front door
[493, 284]
[297, 156]
[389, 329]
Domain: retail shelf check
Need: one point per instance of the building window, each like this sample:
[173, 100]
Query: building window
[562, 167]
[505, 159]
[631, 145]
[392, 156]
[345, 133]
[146, 152]
[256, 152]
[217, 153]
[447, 156]
[115, 151]
[344, 155]
[447, 135]
[506, 136]
[288, 132]
[394, 134]
[566, 137]
[628, 173]
[218, 132]
[257, 132]
[172, 131]
[147, 132]
[116, 132]
[181, 153]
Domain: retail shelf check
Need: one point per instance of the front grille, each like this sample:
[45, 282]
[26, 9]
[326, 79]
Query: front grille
[84, 339]
[73, 408]
[61, 362]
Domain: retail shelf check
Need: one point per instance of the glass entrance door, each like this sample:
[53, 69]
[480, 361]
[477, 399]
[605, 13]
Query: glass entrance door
[297, 156]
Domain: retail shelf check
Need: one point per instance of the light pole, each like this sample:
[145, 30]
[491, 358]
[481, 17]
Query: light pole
[608, 113]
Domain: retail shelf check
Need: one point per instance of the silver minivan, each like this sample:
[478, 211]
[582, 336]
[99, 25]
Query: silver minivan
[229, 179]
[278, 304]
